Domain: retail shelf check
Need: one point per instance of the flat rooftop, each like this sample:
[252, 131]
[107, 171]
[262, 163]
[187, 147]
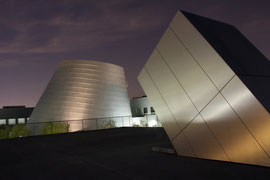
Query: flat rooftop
[121, 153]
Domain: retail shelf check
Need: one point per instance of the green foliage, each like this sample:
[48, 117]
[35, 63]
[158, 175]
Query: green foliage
[106, 124]
[19, 130]
[55, 128]
[4, 131]
[46, 129]
[144, 123]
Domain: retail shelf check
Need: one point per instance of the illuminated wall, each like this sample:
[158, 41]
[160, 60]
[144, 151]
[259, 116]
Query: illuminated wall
[210, 88]
[83, 89]
[140, 106]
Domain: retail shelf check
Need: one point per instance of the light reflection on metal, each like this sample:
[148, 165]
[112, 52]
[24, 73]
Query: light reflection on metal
[206, 110]
[83, 89]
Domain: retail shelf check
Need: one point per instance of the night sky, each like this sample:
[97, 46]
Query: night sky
[35, 35]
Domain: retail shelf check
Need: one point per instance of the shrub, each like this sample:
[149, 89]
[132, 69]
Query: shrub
[55, 128]
[106, 124]
[19, 130]
[144, 123]
[4, 131]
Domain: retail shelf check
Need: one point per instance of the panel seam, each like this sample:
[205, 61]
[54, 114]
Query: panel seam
[161, 96]
[163, 59]
[177, 79]
[190, 145]
[182, 131]
[245, 125]
[169, 110]
[185, 93]
[216, 138]
[193, 57]
[219, 92]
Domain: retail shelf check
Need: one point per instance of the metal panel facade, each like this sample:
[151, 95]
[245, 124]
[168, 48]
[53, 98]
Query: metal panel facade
[83, 89]
[188, 82]
[232, 134]
[186, 69]
[201, 50]
[198, 128]
[182, 146]
[161, 107]
[180, 105]
[249, 109]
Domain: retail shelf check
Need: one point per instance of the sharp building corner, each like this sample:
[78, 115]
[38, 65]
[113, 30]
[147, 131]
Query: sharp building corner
[210, 88]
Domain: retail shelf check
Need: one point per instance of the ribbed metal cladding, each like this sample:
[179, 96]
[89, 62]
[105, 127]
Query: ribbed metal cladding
[83, 89]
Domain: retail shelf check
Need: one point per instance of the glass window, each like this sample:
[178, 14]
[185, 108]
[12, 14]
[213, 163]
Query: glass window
[3, 122]
[21, 120]
[152, 110]
[145, 110]
[11, 121]
[138, 112]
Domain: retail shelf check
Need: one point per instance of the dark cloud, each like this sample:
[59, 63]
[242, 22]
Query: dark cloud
[8, 34]
[35, 35]
[69, 25]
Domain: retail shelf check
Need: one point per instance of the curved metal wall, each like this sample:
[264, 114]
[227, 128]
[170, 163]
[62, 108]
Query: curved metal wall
[83, 89]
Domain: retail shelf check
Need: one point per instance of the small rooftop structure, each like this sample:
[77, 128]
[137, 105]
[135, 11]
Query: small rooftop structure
[11, 115]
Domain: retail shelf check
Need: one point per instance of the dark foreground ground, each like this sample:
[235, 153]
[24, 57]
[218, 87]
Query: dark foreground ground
[124, 153]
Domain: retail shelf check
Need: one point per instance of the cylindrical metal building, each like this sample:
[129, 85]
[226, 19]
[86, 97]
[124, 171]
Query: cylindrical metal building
[83, 89]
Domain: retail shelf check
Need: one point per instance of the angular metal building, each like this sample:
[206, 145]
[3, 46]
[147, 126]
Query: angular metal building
[210, 87]
[81, 90]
